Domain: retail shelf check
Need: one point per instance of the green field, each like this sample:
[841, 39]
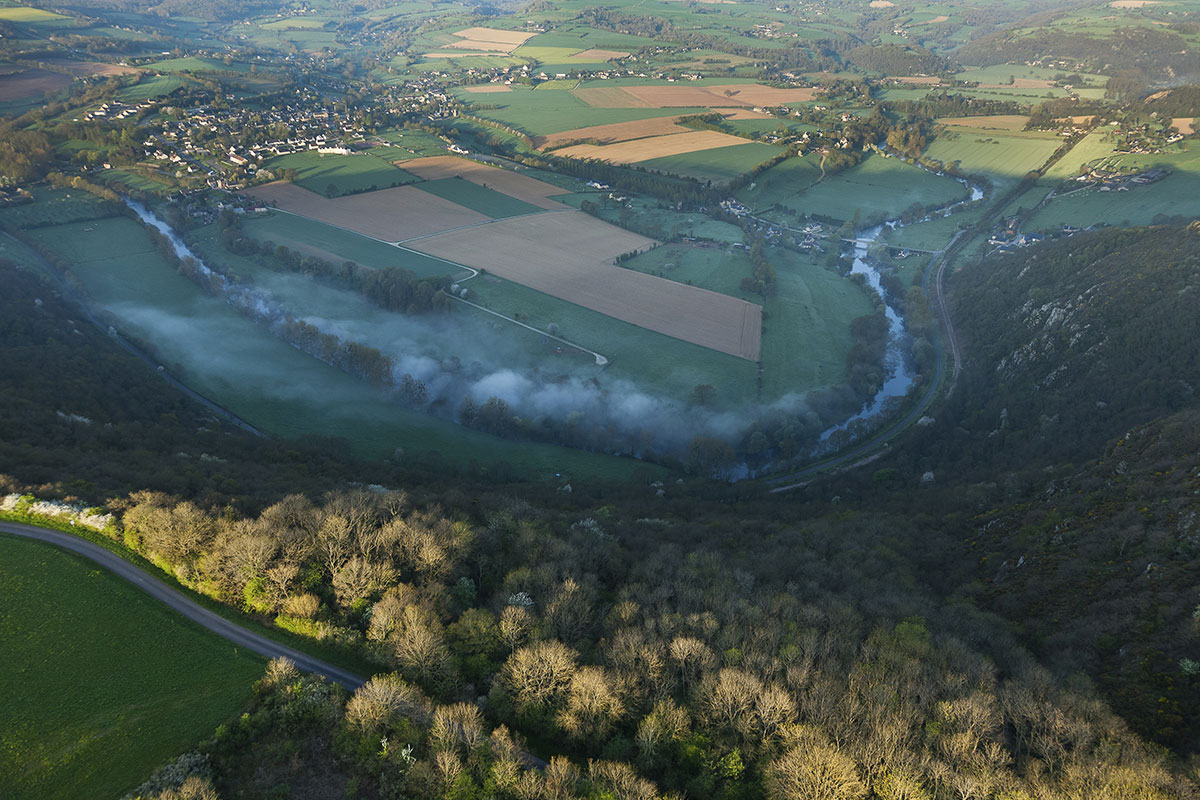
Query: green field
[101, 683]
[1003, 156]
[1094, 146]
[719, 165]
[781, 184]
[716, 268]
[407, 144]
[540, 113]
[54, 206]
[877, 188]
[295, 23]
[153, 87]
[266, 381]
[29, 15]
[334, 175]
[654, 362]
[651, 218]
[477, 198]
[196, 64]
[300, 232]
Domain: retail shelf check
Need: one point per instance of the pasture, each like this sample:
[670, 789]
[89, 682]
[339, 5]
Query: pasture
[782, 183]
[102, 684]
[1093, 147]
[720, 165]
[152, 87]
[878, 187]
[569, 254]
[30, 16]
[269, 383]
[478, 198]
[542, 113]
[390, 215]
[54, 206]
[335, 175]
[1003, 156]
[1176, 196]
[612, 133]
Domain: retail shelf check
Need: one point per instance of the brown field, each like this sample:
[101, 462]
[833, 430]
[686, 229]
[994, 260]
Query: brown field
[745, 94]
[1020, 83]
[1185, 125]
[881, 4]
[1133, 3]
[454, 55]
[998, 122]
[1159, 95]
[597, 55]
[513, 38]
[31, 83]
[937, 19]
[487, 40]
[505, 181]
[614, 132]
[916, 80]
[609, 97]
[570, 255]
[391, 215]
[655, 147]
[488, 88]
[83, 69]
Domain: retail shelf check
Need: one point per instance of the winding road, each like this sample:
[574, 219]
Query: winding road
[179, 602]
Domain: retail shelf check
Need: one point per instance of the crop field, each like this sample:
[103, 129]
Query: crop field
[477, 197]
[337, 245]
[84, 69]
[543, 113]
[31, 83]
[1003, 156]
[878, 187]
[655, 362]
[390, 215]
[488, 88]
[614, 132]
[101, 683]
[996, 122]
[637, 150]
[334, 175]
[266, 381]
[509, 182]
[719, 165]
[29, 15]
[569, 255]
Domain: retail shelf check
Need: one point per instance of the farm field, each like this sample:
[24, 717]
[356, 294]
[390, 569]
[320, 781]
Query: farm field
[612, 133]
[568, 255]
[55, 206]
[654, 147]
[879, 187]
[714, 267]
[510, 182]
[153, 87]
[1175, 196]
[477, 197]
[660, 223]
[84, 69]
[31, 84]
[266, 381]
[334, 175]
[674, 96]
[390, 215]
[719, 165]
[543, 113]
[411, 144]
[1094, 146]
[655, 363]
[1003, 156]
[29, 15]
[337, 245]
[102, 684]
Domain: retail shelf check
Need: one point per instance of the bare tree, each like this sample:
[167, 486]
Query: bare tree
[536, 675]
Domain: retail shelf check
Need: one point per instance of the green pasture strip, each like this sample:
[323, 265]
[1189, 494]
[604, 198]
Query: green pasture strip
[478, 198]
[719, 165]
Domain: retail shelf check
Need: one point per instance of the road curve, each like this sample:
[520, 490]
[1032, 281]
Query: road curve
[184, 605]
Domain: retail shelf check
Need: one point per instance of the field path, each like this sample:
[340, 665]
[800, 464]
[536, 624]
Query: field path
[177, 601]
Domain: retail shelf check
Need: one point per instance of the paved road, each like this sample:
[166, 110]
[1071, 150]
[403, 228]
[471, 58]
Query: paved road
[184, 605]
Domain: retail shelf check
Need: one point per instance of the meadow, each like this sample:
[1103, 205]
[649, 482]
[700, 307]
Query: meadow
[782, 183]
[719, 165]
[266, 381]
[541, 113]
[1094, 146]
[334, 175]
[152, 87]
[1004, 157]
[102, 684]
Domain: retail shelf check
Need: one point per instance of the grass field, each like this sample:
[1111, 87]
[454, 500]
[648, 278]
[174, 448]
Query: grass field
[477, 198]
[661, 223]
[334, 175]
[101, 683]
[1003, 156]
[1094, 146]
[782, 183]
[541, 113]
[54, 206]
[337, 245]
[271, 384]
[718, 165]
[153, 87]
[29, 15]
[878, 187]
[196, 64]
